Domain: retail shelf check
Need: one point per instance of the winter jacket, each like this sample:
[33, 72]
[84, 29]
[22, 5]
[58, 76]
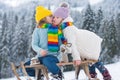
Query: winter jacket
[40, 41]
[85, 44]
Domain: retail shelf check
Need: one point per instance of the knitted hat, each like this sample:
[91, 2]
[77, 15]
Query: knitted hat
[62, 12]
[41, 13]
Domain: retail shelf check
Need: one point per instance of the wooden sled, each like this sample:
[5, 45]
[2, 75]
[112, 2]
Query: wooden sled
[41, 69]
[44, 71]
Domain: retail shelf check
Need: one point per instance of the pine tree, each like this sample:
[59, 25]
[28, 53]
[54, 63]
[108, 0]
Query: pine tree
[0, 27]
[13, 26]
[4, 24]
[89, 19]
[4, 62]
[19, 50]
[4, 48]
[32, 26]
[4, 33]
[110, 46]
[117, 23]
[98, 19]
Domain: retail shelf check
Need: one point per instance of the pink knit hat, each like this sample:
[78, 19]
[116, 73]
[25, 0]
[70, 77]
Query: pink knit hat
[62, 12]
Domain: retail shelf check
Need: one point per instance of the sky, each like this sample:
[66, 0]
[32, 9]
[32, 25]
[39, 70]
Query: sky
[15, 3]
[92, 2]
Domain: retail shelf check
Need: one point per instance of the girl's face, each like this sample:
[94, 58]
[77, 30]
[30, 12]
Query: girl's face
[49, 19]
[56, 20]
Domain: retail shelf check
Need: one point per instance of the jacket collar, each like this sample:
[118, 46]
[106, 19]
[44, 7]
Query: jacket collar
[68, 19]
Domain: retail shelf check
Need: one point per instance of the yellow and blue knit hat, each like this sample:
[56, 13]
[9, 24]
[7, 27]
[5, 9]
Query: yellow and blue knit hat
[41, 12]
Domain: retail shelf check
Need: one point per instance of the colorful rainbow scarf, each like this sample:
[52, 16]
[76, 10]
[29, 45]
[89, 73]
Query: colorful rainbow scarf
[54, 35]
[65, 24]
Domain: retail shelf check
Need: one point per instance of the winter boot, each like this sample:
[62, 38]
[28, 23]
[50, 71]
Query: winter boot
[58, 76]
[106, 75]
[42, 77]
[55, 77]
[93, 75]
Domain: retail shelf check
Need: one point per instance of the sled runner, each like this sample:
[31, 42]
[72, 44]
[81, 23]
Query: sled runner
[14, 70]
[41, 70]
[38, 69]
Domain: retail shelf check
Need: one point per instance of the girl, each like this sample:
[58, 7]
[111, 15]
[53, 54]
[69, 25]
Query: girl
[85, 44]
[45, 42]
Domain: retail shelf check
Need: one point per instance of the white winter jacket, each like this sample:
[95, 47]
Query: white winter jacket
[85, 44]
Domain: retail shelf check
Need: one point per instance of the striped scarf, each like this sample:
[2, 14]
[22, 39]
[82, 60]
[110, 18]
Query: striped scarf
[65, 24]
[54, 35]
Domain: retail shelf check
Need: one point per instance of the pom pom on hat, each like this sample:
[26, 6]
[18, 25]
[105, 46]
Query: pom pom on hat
[64, 4]
[41, 12]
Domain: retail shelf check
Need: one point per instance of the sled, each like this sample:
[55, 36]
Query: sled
[41, 69]
[44, 71]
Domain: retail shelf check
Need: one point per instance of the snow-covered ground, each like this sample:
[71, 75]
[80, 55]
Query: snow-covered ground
[113, 69]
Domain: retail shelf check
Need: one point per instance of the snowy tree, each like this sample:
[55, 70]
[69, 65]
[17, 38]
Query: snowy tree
[0, 30]
[16, 20]
[117, 23]
[31, 27]
[4, 62]
[89, 19]
[98, 19]
[4, 48]
[4, 33]
[20, 41]
[4, 24]
[13, 26]
[110, 43]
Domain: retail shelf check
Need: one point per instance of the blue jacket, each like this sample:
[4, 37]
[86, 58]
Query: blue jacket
[40, 41]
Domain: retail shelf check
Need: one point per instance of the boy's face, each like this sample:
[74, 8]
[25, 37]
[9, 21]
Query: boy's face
[56, 20]
[49, 19]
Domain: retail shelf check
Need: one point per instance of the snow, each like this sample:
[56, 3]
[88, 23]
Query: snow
[113, 69]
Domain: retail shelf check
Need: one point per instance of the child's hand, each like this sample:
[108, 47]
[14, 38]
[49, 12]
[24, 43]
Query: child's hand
[43, 53]
[77, 62]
